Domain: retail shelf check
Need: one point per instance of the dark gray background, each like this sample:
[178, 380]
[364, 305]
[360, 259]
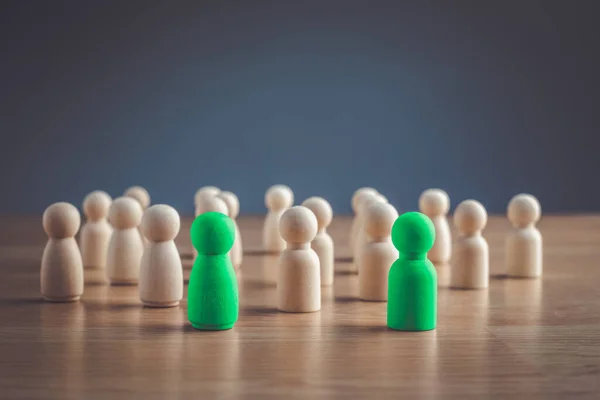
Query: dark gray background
[482, 98]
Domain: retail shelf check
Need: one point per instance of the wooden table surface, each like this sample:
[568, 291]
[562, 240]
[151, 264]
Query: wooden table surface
[519, 339]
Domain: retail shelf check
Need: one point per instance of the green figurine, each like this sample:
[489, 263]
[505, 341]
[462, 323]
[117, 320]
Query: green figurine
[212, 292]
[412, 280]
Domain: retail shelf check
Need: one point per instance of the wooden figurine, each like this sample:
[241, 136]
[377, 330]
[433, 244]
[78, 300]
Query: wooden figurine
[361, 237]
[125, 247]
[322, 244]
[140, 194]
[357, 198]
[96, 231]
[143, 197]
[435, 203]
[61, 277]
[470, 263]
[524, 242]
[378, 253]
[205, 190]
[161, 272]
[277, 199]
[299, 280]
[233, 205]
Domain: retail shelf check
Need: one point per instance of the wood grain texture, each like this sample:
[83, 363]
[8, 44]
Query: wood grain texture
[518, 339]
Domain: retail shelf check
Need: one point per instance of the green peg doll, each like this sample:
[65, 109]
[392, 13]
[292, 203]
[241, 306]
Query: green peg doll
[212, 292]
[412, 280]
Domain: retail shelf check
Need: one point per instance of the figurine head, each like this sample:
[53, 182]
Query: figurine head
[279, 197]
[298, 225]
[413, 234]
[96, 205]
[125, 213]
[140, 194]
[524, 210]
[232, 202]
[160, 223]
[212, 233]
[379, 219]
[322, 210]
[61, 220]
[206, 190]
[359, 194]
[434, 202]
[470, 217]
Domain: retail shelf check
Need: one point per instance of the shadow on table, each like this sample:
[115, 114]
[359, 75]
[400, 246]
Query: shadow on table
[346, 299]
[183, 328]
[343, 260]
[344, 272]
[256, 284]
[257, 252]
[259, 311]
[94, 306]
[96, 283]
[357, 329]
[23, 301]
[123, 306]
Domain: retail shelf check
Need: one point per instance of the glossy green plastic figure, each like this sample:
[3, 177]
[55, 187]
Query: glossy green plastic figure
[412, 281]
[212, 292]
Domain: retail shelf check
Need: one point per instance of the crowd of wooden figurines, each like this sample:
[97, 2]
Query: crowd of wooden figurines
[393, 254]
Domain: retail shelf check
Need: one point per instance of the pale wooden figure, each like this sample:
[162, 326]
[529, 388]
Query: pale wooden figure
[96, 231]
[61, 276]
[322, 244]
[470, 263]
[361, 237]
[233, 205]
[161, 272]
[143, 197]
[278, 199]
[125, 247]
[299, 280]
[435, 203]
[378, 253]
[524, 242]
[357, 198]
[140, 194]
[210, 203]
[205, 190]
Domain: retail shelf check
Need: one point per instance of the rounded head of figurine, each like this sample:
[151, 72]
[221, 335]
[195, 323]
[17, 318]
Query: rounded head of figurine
[210, 203]
[298, 225]
[232, 202]
[524, 210]
[206, 190]
[61, 220]
[140, 194]
[370, 200]
[125, 213]
[96, 205]
[379, 219]
[381, 198]
[279, 197]
[212, 233]
[160, 223]
[470, 217]
[413, 234]
[322, 210]
[362, 198]
[434, 202]
[357, 196]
